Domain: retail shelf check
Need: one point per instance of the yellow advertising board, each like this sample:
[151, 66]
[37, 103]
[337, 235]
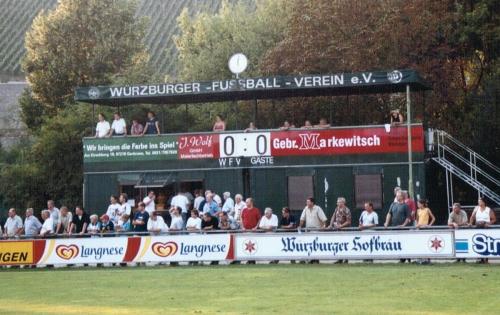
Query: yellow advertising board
[16, 252]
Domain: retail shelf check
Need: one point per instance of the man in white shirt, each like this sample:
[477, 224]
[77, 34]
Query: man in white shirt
[54, 212]
[14, 224]
[48, 224]
[368, 218]
[181, 201]
[119, 126]
[32, 225]
[215, 197]
[194, 222]
[156, 224]
[238, 207]
[102, 127]
[228, 202]
[198, 199]
[113, 211]
[312, 216]
[149, 201]
[124, 206]
[269, 221]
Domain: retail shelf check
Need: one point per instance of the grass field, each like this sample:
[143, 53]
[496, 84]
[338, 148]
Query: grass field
[257, 289]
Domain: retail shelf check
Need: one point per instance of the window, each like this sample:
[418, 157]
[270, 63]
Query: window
[368, 188]
[299, 189]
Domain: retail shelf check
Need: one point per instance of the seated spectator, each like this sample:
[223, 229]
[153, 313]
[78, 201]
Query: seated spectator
[65, 219]
[482, 216]
[220, 124]
[102, 128]
[141, 218]
[48, 224]
[226, 222]
[251, 127]
[94, 226]
[368, 218]
[269, 221]
[396, 117]
[210, 205]
[307, 125]
[228, 202]
[457, 217]
[152, 126]
[80, 221]
[119, 126]
[194, 222]
[209, 222]
[287, 125]
[136, 129]
[322, 124]
[32, 225]
[424, 214]
[107, 226]
[177, 224]
[250, 216]
[123, 224]
[156, 224]
[341, 216]
[13, 227]
[288, 221]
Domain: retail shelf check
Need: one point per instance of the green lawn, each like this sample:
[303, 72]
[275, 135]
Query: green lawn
[259, 289]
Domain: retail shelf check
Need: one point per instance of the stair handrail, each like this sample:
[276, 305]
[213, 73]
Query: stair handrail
[469, 164]
[446, 135]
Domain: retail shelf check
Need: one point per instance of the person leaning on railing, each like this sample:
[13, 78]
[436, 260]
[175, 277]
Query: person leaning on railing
[482, 217]
[457, 217]
[48, 224]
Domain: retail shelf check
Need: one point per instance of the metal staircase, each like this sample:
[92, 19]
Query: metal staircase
[459, 160]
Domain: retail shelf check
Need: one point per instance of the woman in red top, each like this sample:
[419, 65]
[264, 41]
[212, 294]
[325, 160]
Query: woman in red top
[220, 124]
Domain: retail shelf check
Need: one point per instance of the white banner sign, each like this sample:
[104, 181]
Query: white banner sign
[186, 248]
[345, 245]
[484, 243]
[166, 248]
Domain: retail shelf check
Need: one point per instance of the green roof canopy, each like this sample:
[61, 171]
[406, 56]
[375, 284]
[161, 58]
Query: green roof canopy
[368, 82]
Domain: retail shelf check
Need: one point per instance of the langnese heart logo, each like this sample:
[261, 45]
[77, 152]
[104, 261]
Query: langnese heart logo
[67, 252]
[164, 249]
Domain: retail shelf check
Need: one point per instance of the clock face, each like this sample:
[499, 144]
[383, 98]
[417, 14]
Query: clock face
[238, 63]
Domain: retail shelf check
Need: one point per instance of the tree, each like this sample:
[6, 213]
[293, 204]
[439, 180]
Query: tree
[81, 43]
[206, 43]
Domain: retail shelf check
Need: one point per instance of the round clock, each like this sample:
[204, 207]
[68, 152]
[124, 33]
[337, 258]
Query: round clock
[238, 63]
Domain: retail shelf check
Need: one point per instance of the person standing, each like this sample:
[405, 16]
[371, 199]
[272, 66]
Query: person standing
[113, 211]
[457, 217]
[312, 217]
[141, 217]
[118, 126]
[14, 225]
[425, 217]
[48, 224]
[368, 218]
[32, 225]
[250, 216]
[482, 217]
[65, 219]
[152, 125]
[287, 219]
[180, 200]
[220, 124]
[102, 128]
[149, 201]
[228, 202]
[136, 129]
[54, 212]
[341, 217]
[269, 221]
[80, 222]
[399, 215]
[125, 207]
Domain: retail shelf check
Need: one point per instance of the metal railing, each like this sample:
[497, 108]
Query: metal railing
[468, 165]
[238, 231]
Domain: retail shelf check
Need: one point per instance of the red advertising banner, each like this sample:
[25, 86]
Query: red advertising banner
[202, 146]
[346, 141]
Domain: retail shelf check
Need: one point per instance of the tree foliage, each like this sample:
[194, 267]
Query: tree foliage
[81, 43]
